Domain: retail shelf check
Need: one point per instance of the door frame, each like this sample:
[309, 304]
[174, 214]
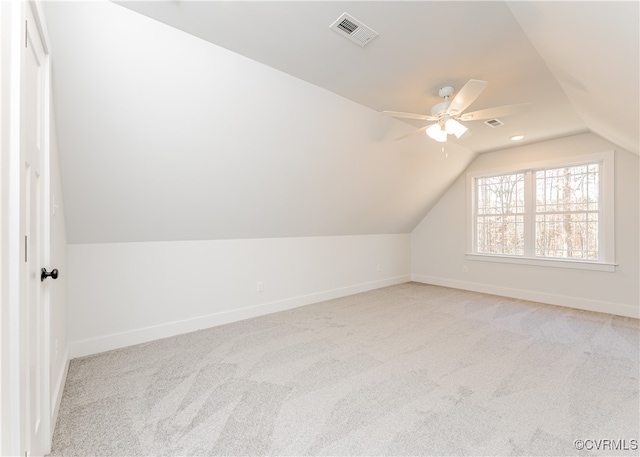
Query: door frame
[14, 433]
[11, 266]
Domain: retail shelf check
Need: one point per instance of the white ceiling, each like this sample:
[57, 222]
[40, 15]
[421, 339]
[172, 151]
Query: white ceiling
[163, 136]
[274, 129]
[576, 62]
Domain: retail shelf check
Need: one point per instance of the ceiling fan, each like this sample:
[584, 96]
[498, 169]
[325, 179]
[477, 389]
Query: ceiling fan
[448, 114]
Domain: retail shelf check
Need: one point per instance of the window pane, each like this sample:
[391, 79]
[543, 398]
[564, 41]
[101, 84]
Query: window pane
[500, 209]
[501, 194]
[568, 189]
[567, 205]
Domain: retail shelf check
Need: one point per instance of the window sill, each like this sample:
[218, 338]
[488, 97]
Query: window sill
[554, 263]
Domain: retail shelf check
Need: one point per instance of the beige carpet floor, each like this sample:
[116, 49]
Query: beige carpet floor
[411, 369]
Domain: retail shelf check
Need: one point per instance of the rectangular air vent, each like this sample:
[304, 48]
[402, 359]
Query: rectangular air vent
[494, 123]
[347, 26]
[354, 30]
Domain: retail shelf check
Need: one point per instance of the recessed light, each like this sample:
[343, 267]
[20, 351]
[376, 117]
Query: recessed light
[517, 137]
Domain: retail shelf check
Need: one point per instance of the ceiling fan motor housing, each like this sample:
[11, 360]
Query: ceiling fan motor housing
[444, 92]
[440, 107]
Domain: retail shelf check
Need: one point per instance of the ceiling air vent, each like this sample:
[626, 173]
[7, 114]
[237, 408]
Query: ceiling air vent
[494, 123]
[353, 29]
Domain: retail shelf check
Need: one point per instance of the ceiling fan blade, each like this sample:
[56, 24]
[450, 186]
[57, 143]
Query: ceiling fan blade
[415, 132]
[422, 117]
[466, 96]
[499, 111]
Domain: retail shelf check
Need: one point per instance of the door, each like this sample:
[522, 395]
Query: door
[33, 195]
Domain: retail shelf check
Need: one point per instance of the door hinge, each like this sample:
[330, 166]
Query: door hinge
[26, 34]
[25, 248]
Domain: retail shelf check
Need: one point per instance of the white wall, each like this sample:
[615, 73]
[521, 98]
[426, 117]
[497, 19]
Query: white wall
[438, 244]
[126, 293]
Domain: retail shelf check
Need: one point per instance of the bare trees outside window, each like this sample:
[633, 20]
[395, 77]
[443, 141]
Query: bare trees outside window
[500, 214]
[567, 210]
[551, 213]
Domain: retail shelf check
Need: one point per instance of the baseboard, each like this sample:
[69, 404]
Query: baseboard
[146, 334]
[541, 297]
[56, 395]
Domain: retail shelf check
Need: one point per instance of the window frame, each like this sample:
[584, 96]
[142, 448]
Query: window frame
[606, 223]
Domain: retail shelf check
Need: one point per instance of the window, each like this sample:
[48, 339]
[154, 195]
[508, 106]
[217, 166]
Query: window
[545, 213]
[500, 214]
[567, 212]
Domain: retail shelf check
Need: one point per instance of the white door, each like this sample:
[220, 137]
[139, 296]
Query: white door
[34, 342]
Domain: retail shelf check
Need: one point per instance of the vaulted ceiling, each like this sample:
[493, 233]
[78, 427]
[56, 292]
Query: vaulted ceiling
[260, 121]
[576, 62]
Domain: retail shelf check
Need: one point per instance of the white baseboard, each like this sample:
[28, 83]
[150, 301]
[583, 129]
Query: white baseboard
[143, 335]
[541, 297]
[56, 395]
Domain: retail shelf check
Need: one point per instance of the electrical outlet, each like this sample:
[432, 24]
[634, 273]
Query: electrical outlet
[259, 286]
[465, 269]
[378, 267]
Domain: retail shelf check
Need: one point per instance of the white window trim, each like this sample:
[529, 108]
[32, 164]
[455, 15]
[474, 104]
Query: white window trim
[606, 242]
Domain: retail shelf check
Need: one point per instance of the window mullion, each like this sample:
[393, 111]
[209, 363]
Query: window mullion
[529, 214]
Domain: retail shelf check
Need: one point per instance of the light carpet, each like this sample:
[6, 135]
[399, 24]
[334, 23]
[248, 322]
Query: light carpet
[411, 369]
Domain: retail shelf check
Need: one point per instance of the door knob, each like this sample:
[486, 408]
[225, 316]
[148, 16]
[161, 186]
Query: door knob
[53, 273]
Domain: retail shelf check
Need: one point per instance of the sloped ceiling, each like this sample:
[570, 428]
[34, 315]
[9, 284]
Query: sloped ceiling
[576, 62]
[262, 122]
[593, 50]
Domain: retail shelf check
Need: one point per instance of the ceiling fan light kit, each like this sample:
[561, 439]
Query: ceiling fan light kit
[436, 132]
[446, 127]
[448, 113]
[454, 127]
